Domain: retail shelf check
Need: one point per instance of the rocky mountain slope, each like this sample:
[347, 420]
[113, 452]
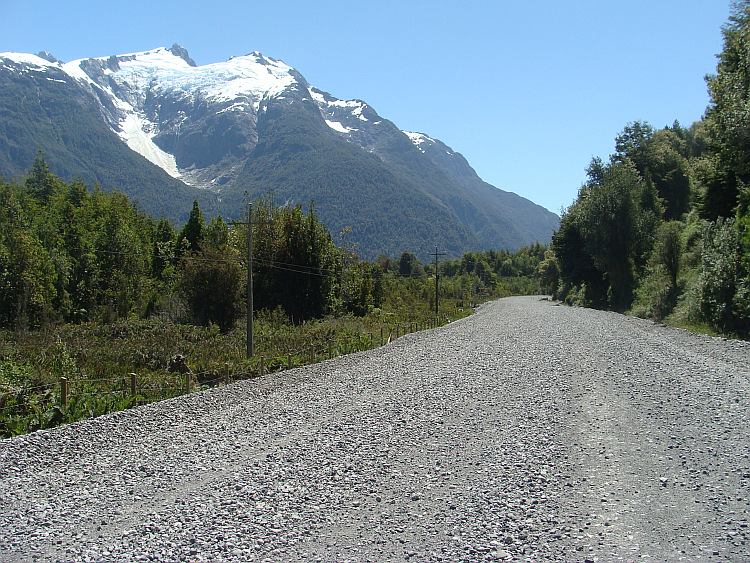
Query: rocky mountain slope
[166, 131]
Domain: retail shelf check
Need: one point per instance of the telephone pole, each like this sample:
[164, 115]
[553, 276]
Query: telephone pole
[437, 276]
[249, 223]
[250, 311]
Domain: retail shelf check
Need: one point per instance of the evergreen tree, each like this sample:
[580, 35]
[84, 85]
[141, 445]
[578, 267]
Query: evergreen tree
[191, 235]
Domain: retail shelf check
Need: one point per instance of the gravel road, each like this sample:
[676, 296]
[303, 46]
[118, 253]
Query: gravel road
[526, 432]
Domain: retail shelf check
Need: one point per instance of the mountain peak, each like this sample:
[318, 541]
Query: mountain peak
[47, 56]
[180, 51]
[253, 123]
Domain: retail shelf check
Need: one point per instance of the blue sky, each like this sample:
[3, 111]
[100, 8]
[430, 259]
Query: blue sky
[528, 91]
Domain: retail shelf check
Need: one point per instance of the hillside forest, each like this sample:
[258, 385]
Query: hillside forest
[662, 228]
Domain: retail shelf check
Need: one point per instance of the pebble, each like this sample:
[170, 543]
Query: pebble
[500, 422]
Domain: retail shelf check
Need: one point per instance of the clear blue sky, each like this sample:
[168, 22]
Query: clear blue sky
[527, 90]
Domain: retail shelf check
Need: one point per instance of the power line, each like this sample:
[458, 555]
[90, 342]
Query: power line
[208, 257]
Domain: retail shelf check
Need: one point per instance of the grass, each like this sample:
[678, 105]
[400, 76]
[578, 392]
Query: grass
[97, 359]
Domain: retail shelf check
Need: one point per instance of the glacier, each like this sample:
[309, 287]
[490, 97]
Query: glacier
[242, 84]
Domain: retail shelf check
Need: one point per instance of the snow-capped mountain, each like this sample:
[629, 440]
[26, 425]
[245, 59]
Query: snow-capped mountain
[254, 124]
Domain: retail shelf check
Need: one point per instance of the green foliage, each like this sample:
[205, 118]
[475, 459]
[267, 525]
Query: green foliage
[666, 221]
[408, 265]
[724, 283]
[549, 273]
[656, 295]
[212, 286]
[362, 288]
[295, 261]
[612, 222]
[27, 272]
[190, 238]
[67, 254]
[668, 250]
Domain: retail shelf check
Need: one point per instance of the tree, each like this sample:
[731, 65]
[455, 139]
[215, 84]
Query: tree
[296, 263]
[724, 281]
[611, 227]
[669, 171]
[191, 235]
[549, 272]
[163, 249]
[668, 249]
[632, 144]
[26, 269]
[40, 182]
[212, 285]
[576, 266]
[728, 116]
[362, 288]
[408, 265]
[212, 280]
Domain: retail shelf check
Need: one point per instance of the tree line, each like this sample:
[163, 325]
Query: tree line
[72, 254]
[663, 227]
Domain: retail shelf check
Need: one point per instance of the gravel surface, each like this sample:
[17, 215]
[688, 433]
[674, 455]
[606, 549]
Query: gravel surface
[526, 432]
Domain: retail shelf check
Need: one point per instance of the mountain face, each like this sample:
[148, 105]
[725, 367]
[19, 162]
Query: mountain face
[166, 131]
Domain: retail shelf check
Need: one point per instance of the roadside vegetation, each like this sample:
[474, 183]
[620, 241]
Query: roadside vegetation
[662, 228]
[93, 290]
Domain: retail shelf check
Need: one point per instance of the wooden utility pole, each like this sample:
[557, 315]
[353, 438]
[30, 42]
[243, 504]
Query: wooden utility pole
[437, 276]
[250, 311]
[249, 343]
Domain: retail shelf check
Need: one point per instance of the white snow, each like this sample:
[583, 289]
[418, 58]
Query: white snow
[27, 63]
[357, 112]
[241, 84]
[346, 103]
[237, 106]
[238, 77]
[418, 139]
[29, 60]
[336, 126]
[134, 131]
[317, 96]
[245, 81]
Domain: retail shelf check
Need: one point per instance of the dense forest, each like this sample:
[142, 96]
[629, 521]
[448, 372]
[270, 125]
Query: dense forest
[71, 254]
[97, 298]
[662, 229]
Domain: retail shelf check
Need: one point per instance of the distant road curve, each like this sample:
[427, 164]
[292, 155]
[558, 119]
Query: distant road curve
[528, 431]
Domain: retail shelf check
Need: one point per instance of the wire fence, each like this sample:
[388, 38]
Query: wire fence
[24, 409]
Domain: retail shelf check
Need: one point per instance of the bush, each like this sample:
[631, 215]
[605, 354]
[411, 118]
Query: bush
[724, 300]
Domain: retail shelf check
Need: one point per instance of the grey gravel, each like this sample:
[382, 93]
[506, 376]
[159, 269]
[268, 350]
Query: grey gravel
[526, 432]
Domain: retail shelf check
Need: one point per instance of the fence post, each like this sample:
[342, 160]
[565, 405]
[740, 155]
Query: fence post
[226, 373]
[132, 384]
[330, 349]
[289, 360]
[312, 354]
[188, 381]
[63, 391]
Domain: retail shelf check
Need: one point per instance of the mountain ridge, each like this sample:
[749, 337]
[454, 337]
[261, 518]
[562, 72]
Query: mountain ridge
[253, 125]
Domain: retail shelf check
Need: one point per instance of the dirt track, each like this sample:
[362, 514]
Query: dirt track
[529, 431]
